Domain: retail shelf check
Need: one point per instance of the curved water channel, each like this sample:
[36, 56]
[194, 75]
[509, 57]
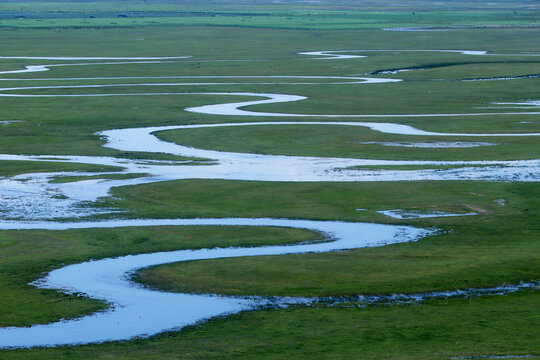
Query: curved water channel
[34, 196]
[136, 311]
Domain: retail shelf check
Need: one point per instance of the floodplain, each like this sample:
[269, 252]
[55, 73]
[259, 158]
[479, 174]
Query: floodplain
[103, 157]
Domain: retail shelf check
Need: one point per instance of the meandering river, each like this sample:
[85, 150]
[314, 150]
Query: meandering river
[136, 311]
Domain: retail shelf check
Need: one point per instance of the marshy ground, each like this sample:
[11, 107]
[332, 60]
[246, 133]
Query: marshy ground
[497, 246]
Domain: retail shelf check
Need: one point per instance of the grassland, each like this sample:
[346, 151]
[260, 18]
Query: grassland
[321, 15]
[302, 21]
[454, 259]
[499, 245]
[67, 125]
[26, 255]
[437, 330]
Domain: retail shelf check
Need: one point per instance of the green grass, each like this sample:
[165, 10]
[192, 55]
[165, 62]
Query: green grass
[449, 261]
[67, 125]
[362, 20]
[504, 325]
[26, 255]
[498, 245]
[323, 201]
[322, 15]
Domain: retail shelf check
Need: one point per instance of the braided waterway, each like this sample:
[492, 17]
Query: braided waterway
[31, 201]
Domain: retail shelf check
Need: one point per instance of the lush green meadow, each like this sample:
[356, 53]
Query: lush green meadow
[436, 330]
[503, 249]
[70, 123]
[498, 245]
[321, 15]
